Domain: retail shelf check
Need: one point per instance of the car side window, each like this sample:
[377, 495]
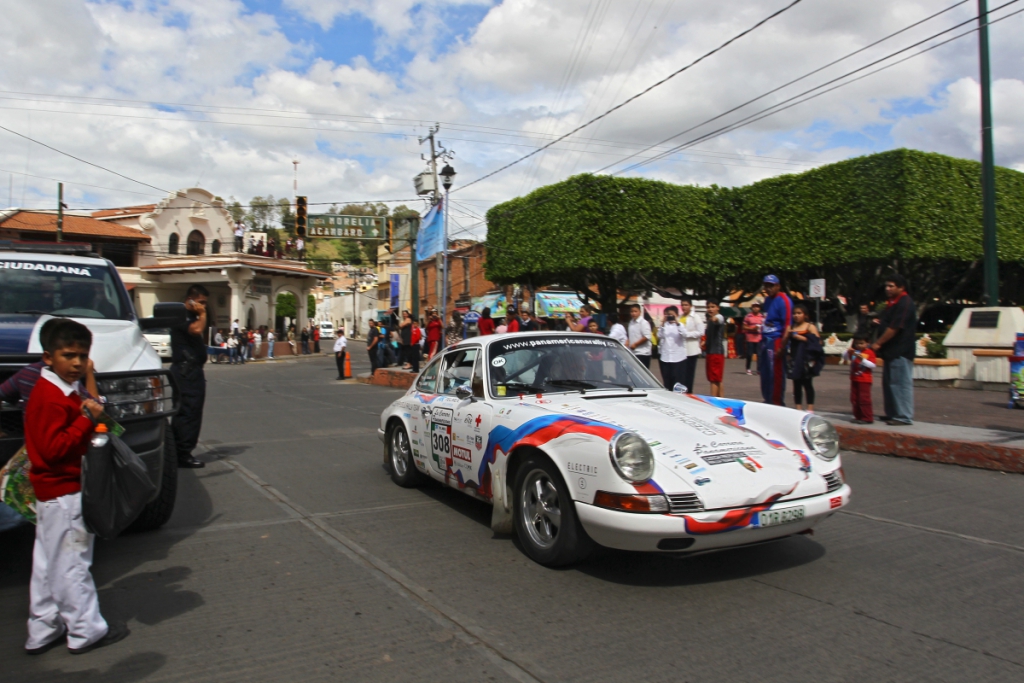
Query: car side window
[427, 383]
[457, 370]
[478, 377]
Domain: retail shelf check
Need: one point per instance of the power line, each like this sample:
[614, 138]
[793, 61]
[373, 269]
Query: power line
[794, 100]
[638, 95]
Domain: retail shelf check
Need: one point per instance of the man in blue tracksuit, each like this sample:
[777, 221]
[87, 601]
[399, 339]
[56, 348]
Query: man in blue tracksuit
[771, 357]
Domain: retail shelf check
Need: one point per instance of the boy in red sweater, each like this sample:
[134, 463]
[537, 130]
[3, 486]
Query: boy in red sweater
[862, 361]
[58, 427]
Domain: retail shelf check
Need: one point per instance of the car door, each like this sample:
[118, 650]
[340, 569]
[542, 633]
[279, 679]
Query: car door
[472, 425]
[419, 410]
[445, 410]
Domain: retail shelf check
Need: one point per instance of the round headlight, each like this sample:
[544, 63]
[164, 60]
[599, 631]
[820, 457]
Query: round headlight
[821, 436]
[632, 457]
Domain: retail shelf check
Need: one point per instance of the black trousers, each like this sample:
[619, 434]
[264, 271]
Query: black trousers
[186, 425]
[339, 358]
[688, 373]
[412, 356]
[802, 386]
[672, 373]
[374, 361]
[646, 360]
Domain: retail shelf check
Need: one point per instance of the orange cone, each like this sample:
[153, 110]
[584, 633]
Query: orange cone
[348, 367]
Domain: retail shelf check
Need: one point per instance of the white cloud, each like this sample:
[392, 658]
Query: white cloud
[530, 67]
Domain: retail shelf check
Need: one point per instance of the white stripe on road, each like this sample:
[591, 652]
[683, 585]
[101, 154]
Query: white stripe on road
[941, 532]
[464, 628]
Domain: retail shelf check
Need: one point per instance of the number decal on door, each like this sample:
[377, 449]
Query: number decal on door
[441, 440]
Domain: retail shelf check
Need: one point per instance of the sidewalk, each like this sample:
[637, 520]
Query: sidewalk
[958, 426]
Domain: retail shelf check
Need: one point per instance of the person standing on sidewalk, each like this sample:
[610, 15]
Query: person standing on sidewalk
[372, 344]
[188, 354]
[618, 333]
[270, 344]
[639, 335]
[714, 349]
[896, 346]
[805, 356]
[862, 362]
[486, 323]
[693, 330]
[339, 354]
[304, 340]
[672, 345]
[771, 354]
[752, 329]
[434, 331]
[316, 339]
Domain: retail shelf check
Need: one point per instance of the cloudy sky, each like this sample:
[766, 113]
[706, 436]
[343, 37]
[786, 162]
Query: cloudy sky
[226, 93]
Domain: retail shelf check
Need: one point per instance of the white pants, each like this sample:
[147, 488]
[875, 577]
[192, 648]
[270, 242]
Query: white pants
[62, 593]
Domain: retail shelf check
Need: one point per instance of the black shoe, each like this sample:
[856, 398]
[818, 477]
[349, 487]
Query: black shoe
[897, 423]
[116, 631]
[49, 646]
[191, 463]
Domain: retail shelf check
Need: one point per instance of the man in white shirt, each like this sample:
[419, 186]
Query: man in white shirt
[239, 236]
[270, 344]
[232, 349]
[693, 331]
[672, 350]
[300, 246]
[339, 353]
[639, 336]
[618, 333]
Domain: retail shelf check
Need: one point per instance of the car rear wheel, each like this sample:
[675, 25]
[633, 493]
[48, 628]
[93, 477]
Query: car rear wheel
[400, 460]
[545, 516]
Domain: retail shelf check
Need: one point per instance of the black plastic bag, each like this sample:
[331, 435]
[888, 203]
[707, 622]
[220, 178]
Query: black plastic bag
[115, 488]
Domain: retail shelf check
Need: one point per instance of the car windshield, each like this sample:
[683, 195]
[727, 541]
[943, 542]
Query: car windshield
[553, 364]
[72, 290]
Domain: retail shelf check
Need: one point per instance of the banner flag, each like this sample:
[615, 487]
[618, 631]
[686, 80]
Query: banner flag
[430, 238]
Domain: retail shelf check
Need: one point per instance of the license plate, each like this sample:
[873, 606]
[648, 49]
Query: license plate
[777, 517]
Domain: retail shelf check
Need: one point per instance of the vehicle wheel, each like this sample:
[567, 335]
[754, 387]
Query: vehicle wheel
[545, 516]
[159, 510]
[400, 460]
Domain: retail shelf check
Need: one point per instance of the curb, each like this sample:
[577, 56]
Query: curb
[949, 451]
[386, 377]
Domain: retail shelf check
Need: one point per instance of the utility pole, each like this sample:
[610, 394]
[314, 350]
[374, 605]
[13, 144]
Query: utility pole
[60, 212]
[988, 170]
[435, 197]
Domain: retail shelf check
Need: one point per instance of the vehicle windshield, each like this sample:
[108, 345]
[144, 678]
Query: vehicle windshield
[558, 364]
[75, 291]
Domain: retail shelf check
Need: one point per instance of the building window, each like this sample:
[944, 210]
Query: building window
[196, 243]
[172, 243]
[215, 247]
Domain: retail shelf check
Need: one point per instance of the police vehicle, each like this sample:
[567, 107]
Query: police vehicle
[42, 281]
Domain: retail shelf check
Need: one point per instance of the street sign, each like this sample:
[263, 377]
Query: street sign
[817, 289]
[333, 225]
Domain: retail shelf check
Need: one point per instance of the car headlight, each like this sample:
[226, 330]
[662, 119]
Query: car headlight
[632, 457]
[135, 396]
[821, 436]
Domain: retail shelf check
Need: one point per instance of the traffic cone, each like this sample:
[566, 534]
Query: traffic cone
[348, 367]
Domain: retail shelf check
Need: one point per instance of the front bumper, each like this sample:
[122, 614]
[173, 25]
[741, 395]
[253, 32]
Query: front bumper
[643, 532]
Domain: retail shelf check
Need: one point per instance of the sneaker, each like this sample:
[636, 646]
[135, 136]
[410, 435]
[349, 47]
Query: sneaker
[750, 372]
[116, 632]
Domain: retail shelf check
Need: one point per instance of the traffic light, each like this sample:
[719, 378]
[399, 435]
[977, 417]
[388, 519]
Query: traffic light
[300, 217]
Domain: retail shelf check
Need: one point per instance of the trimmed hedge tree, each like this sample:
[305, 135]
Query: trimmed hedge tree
[916, 212]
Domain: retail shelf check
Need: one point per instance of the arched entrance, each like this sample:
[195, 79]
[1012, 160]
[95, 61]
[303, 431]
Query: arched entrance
[250, 318]
[196, 244]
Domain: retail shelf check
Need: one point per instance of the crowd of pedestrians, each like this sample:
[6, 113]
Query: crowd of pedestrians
[289, 248]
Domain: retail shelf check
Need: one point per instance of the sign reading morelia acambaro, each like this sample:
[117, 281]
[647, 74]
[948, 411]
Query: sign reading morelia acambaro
[336, 225]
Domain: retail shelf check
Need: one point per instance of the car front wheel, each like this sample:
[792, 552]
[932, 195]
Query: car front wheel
[545, 516]
[400, 460]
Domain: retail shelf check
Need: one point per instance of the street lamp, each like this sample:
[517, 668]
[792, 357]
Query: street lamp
[447, 178]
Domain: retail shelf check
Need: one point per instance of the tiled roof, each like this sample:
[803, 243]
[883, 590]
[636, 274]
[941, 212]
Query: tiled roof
[255, 263]
[74, 226]
[124, 211]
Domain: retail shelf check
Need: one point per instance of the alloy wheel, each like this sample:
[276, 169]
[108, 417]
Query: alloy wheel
[539, 510]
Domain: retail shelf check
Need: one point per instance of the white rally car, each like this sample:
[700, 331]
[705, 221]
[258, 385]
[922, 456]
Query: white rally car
[573, 442]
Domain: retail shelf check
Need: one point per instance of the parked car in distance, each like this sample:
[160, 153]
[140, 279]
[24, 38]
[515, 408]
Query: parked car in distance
[326, 330]
[160, 340]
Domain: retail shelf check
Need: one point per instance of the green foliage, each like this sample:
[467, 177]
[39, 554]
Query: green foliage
[286, 305]
[286, 216]
[850, 222]
[936, 349]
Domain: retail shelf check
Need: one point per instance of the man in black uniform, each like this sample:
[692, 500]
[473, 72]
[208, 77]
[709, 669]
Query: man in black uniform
[188, 353]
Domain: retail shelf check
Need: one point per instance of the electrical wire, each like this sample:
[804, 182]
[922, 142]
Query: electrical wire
[637, 95]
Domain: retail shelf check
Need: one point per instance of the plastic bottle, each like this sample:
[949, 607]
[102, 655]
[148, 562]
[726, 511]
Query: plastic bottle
[100, 438]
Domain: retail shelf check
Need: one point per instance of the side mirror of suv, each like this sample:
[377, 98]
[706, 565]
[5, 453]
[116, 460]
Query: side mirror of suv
[167, 314]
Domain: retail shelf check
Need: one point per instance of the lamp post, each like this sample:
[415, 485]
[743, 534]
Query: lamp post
[988, 171]
[447, 178]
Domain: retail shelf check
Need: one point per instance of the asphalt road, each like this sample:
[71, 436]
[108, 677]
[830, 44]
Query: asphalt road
[292, 557]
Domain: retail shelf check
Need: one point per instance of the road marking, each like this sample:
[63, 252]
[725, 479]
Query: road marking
[463, 627]
[941, 532]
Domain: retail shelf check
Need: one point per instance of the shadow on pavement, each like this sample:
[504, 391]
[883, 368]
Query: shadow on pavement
[132, 668]
[651, 569]
[151, 597]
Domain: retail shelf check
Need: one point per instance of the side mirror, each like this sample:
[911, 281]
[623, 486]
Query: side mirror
[462, 392]
[168, 314]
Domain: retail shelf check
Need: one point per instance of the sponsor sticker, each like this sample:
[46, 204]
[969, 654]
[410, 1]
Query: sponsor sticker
[501, 390]
[702, 481]
[460, 453]
[441, 416]
[836, 502]
[498, 362]
[479, 441]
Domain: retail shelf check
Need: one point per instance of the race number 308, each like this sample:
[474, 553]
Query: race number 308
[440, 439]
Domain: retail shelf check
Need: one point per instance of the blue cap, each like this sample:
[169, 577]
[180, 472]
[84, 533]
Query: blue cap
[771, 280]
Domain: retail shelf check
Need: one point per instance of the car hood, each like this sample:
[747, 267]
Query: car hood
[117, 345]
[701, 444]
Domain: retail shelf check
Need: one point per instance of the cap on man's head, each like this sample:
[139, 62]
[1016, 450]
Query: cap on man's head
[771, 280]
